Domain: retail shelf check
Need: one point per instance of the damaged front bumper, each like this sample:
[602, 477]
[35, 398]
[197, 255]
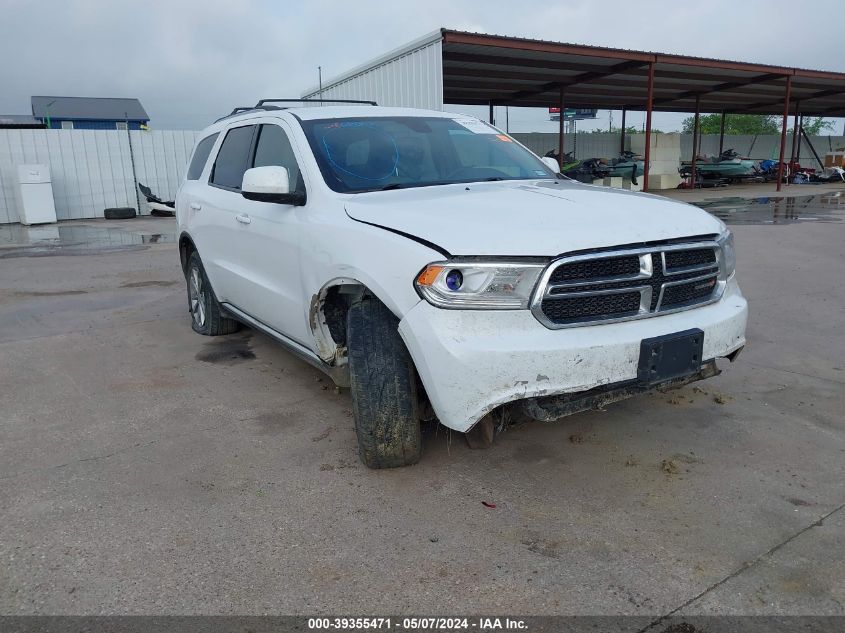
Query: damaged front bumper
[551, 408]
[472, 361]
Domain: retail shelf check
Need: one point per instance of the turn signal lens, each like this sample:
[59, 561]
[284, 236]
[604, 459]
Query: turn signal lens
[429, 275]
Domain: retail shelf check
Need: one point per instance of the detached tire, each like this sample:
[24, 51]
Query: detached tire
[119, 213]
[206, 316]
[383, 383]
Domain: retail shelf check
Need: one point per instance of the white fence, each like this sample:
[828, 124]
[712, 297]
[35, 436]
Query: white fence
[92, 169]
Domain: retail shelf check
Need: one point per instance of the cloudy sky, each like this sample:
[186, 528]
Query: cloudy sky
[191, 61]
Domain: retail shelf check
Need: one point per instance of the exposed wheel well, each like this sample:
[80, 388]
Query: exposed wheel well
[327, 317]
[186, 247]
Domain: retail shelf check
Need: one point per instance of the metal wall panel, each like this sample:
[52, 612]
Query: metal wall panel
[92, 170]
[411, 78]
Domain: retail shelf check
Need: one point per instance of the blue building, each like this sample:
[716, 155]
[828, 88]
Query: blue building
[90, 113]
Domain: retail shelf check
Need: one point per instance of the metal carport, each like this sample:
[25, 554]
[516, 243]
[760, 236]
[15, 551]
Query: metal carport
[455, 67]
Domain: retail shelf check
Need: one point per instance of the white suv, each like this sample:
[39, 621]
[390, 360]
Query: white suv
[437, 267]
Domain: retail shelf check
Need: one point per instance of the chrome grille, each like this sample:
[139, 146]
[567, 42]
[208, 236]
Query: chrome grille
[628, 284]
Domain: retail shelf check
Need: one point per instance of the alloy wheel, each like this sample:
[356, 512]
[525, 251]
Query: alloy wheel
[196, 295]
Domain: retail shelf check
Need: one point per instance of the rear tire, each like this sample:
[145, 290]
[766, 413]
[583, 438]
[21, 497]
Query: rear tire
[206, 315]
[383, 384]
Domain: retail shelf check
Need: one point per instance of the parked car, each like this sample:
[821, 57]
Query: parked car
[431, 263]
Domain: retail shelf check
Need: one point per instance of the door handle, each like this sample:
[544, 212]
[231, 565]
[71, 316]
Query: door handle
[243, 218]
[196, 206]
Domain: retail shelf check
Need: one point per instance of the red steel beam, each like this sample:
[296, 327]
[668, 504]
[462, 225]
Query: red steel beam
[783, 129]
[794, 134]
[622, 136]
[560, 130]
[695, 138]
[648, 108]
[480, 39]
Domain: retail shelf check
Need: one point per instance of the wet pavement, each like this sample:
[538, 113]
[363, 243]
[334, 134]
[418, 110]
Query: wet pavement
[825, 207]
[81, 237]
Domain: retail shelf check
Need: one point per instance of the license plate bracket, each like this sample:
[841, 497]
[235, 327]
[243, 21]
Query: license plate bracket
[670, 356]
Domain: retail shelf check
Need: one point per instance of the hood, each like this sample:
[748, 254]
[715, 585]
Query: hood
[529, 218]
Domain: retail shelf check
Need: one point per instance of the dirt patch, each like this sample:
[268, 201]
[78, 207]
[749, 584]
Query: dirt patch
[798, 502]
[48, 293]
[340, 465]
[534, 454]
[146, 284]
[687, 458]
[322, 436]
[682, 627]
[670, 467]
[228, 351]
[541, 546]
[273, 423]
[576, 438]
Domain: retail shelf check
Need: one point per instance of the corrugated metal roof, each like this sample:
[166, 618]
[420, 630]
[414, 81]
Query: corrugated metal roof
[97, 108]
[482, 69]
[633, 53]
[23, 120]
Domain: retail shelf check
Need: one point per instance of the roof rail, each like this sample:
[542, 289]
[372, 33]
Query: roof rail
[240, 109]
[261, 105]
[263, 101]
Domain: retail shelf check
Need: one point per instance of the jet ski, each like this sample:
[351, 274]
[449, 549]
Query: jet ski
[728, 164]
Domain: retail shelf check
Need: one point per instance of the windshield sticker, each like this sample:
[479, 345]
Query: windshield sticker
[475, 126]
[504, 138]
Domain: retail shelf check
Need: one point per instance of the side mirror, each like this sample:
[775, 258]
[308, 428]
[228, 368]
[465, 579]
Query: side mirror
[551, 163]
[270, 184]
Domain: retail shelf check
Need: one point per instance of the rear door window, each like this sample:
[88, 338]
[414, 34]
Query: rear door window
[200, 157]
[232, 158]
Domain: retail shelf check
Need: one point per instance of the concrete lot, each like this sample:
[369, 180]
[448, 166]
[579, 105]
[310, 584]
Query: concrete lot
[146, 469]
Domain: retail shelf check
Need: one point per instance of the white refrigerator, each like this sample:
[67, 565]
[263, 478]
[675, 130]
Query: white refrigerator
[36, 195]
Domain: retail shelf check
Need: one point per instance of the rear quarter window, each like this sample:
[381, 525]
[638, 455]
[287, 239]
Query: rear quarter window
[200, 157]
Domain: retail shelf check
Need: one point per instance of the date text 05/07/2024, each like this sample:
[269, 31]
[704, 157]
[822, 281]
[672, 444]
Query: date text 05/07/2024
[416, 624]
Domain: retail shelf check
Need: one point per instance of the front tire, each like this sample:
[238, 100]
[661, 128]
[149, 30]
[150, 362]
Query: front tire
[383, 384]
[206, 315]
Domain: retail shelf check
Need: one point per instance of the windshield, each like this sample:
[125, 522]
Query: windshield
[372, 154]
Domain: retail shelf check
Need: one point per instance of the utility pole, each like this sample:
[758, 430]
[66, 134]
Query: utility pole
[320, 80]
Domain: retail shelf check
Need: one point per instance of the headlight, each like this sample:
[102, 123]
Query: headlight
[726, 241]
[478, 285]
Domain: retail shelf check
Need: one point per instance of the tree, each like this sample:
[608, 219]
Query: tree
[815, 125]
[734, 124]
[629, 129]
